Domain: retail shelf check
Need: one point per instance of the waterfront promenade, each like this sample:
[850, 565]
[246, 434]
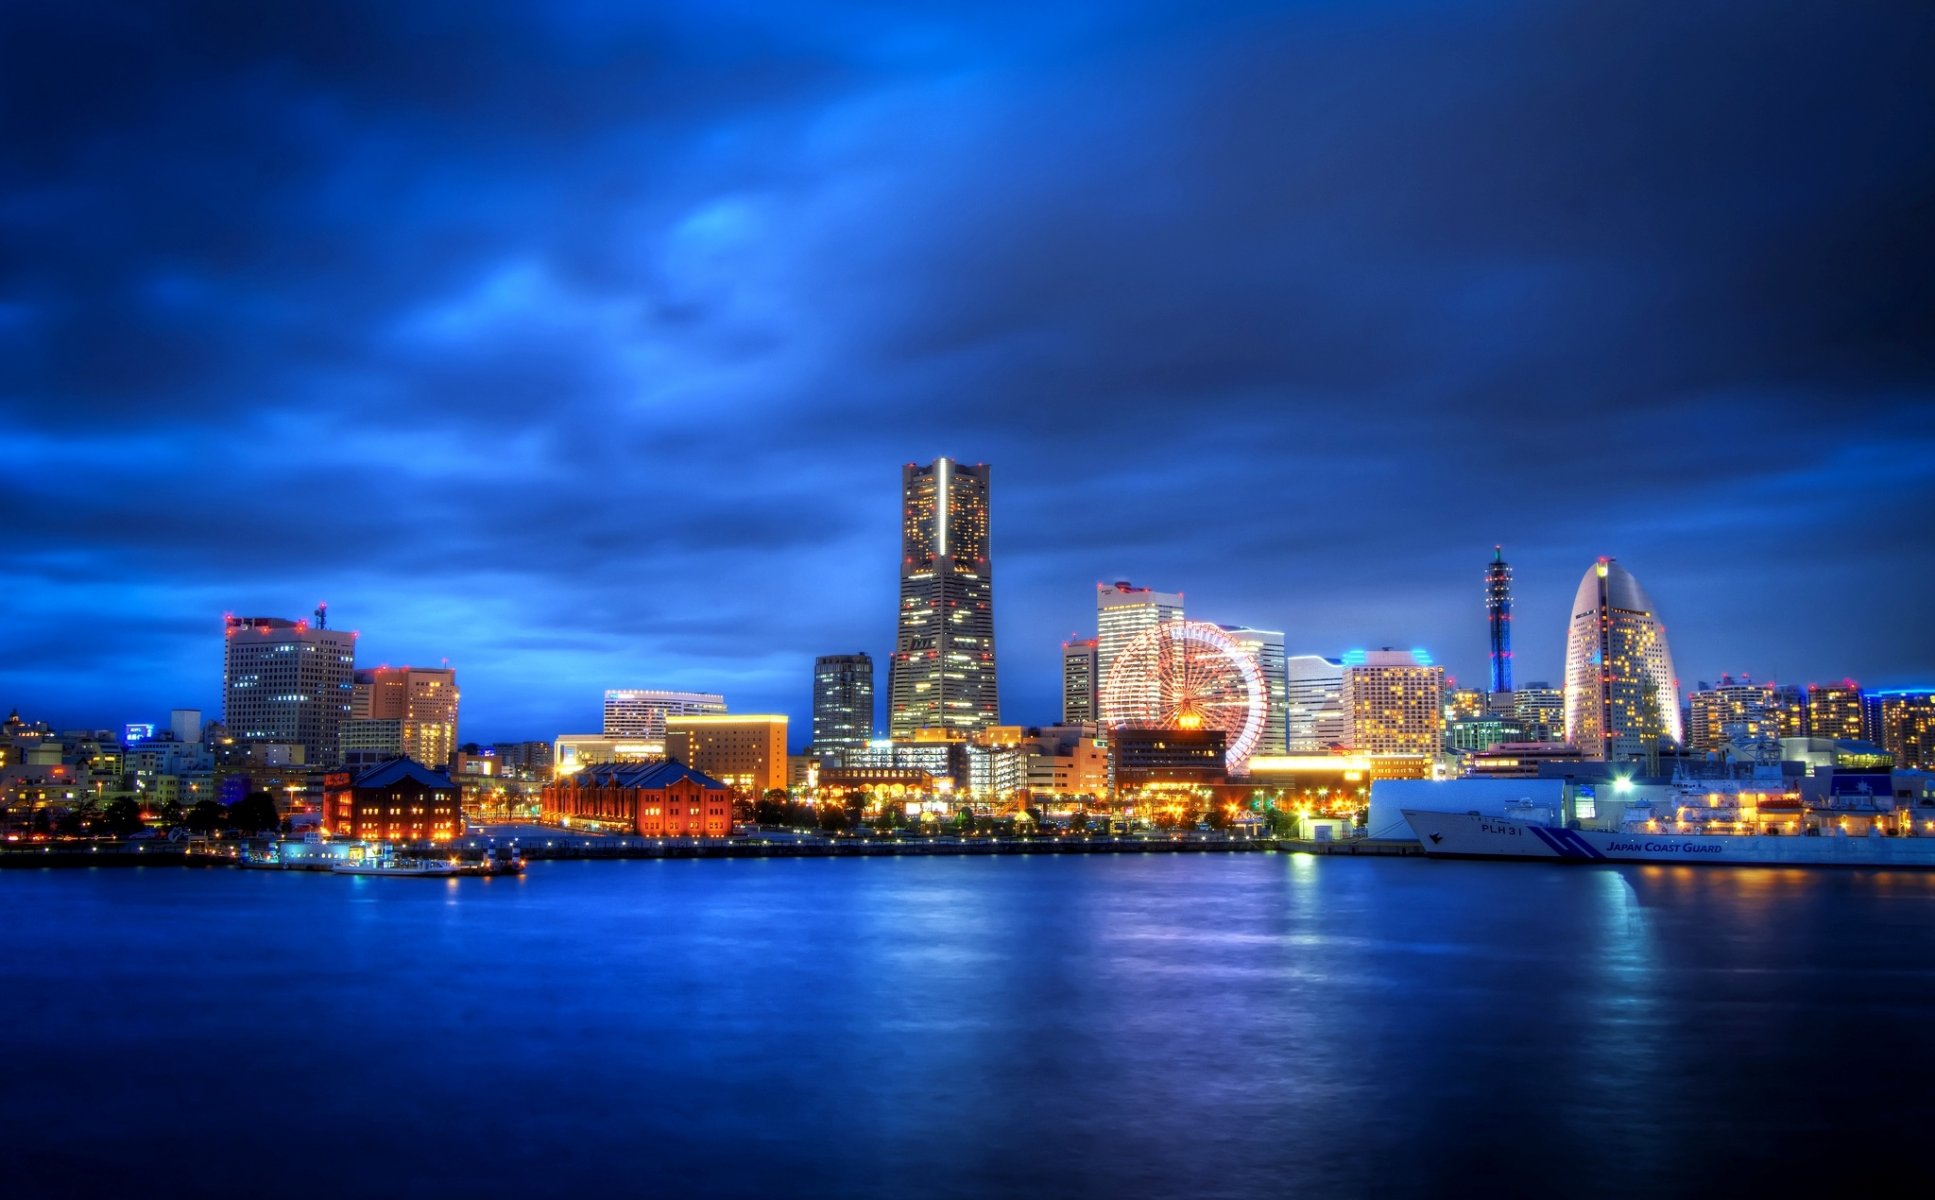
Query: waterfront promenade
[540, 843]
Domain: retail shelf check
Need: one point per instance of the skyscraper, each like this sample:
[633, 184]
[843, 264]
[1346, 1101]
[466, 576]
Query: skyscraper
[1906, 728]
[1738, 716]
[288, 682]
[1122, 612]
[1079, 681]
[424, 702]
[842, 706]
[1265, 647]
[1620, 693]
[943, 669]
[1395, 702]
[1315, 719]
[1498, 614]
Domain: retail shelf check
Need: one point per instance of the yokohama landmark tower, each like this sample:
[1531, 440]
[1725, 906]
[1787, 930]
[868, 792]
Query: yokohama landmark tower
[942, 674]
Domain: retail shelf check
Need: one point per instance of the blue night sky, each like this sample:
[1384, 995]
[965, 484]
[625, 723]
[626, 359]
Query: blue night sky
[581, 345]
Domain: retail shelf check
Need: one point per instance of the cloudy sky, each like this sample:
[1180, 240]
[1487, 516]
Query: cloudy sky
[581, 345]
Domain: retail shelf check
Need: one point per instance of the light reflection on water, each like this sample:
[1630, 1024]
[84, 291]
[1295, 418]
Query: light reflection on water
[1147, 1025]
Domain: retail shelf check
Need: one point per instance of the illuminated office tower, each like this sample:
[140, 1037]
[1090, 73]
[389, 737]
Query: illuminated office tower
[1079, 682]
[1395, 702]
[842, 706]
[1498, 615]
[288, 682]
[1122, 612]
[1314, 716]
[745, 751]
[423, 700]
[1620, 693]
[1539, 709]
[1835, 710]
[640, 712]
[1907, 727]
[943, 671]
[1265, 648]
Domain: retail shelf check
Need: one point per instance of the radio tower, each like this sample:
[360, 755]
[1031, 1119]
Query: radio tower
[1498, 613]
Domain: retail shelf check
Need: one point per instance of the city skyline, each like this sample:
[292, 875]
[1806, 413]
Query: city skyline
[1308, 369]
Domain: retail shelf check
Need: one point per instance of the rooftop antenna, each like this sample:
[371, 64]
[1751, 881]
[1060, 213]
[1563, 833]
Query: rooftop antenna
[322, 615]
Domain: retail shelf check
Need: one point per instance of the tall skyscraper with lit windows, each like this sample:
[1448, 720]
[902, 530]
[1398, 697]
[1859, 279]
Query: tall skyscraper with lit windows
[1122, 612]
[423, 700]
[842, 706]
[942, 674]
[288, 682]
[1080, 681]
[1620, 693]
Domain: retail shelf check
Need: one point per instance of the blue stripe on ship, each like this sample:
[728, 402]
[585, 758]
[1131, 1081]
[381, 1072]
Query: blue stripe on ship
[1566, 843]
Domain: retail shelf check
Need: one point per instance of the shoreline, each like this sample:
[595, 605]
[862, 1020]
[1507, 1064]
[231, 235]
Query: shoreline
[568, 848]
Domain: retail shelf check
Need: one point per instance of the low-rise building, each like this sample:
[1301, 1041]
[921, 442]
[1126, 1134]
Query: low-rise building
[400, 801]
[661, 799]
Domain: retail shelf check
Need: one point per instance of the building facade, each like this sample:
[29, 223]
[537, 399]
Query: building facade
[842, 706]
[1079, 680]
[943, 671]
[1314, 716]
[746, 751]
[1908, 727]
[400, 801]
[657, 799]
[1123, 612]
[1621, 697]
[1836, 711]
[1539, 709]
[288, 682]
[638, 714]
[1265, 648]
[1740, 719]
[422, 700]
[1395, 700]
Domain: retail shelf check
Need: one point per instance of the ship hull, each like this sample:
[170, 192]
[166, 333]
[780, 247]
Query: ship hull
[1470, 835]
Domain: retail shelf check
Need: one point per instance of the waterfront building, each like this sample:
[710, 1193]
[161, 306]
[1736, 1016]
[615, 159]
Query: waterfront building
[1908, 727]
[422, 700]
[1738, 717]
[743, 750]
[1835, 710]
[842, 706]
[1395, 702]
[1621, 698]
[1081, 675]
[1518, 760]
[400, 801]
[638, 714]
[1067, 760]
[656, 799]
[288, 682]
[944, 760]
[1539, 709]
[1314, 716]
[1122, 613]
[943, 670]
[1140, 757]
[1265, 648]
[1498, 618]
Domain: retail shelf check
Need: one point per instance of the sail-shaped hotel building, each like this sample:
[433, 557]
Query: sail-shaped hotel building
[1620, 693]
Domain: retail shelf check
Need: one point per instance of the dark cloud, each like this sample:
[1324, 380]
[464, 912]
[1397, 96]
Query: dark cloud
[581, 348]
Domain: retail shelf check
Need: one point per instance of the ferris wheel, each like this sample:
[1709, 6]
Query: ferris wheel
[1188, 675]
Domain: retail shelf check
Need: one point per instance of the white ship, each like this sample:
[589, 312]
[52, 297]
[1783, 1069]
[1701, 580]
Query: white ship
[1712, 823]
[1470, 835]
